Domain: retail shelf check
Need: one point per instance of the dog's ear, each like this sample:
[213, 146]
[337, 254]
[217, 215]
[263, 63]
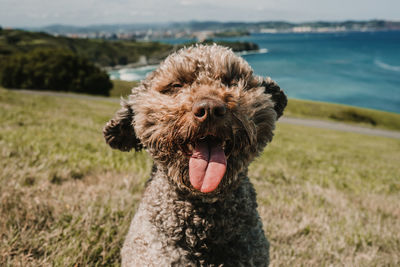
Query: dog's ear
[119, 132]
[277, 95]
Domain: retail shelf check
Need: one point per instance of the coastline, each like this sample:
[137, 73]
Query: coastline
[134, 65]
[155, 62]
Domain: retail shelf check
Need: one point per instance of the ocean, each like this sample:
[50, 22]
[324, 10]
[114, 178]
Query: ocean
[353, 68]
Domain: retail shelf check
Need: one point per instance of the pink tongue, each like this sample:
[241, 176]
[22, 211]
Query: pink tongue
[207, 166]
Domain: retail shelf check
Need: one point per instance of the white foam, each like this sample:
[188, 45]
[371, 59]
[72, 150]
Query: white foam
[123, 71]
[260, 51]
[133, 74]
[385, 66]
[130, 76]
[114, 76]
[146, 68]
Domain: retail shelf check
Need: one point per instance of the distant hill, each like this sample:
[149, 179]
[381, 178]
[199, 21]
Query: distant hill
[102, 52]
[349, 25]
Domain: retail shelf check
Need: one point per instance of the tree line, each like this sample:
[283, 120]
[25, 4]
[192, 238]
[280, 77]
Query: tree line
[53, 69]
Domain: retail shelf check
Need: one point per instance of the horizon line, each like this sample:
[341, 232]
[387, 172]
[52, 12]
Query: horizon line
[199, 21]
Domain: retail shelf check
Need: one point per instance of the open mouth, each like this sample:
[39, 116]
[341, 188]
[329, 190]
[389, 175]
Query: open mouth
[207, 163]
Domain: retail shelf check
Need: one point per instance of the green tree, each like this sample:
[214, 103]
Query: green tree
[56, 70]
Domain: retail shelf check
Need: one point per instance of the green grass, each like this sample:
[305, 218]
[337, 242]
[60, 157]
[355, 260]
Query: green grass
[66, 199]
[122, 88]
[343, 113]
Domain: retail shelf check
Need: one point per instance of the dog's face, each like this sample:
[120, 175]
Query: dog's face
[202, 115]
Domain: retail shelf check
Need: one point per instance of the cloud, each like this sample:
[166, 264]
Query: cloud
[186, 3]
[78, 12]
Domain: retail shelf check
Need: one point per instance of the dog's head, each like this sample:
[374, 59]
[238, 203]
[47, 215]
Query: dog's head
[202, 115]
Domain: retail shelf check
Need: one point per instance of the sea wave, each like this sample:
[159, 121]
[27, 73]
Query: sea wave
[145, 68]
[386, 66]
[113, 76]
[130, 76]
[245, 53]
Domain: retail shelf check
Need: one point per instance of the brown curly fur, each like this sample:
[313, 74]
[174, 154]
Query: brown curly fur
[175, 223]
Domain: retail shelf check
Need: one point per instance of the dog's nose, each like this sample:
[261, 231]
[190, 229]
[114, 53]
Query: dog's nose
[209, 109]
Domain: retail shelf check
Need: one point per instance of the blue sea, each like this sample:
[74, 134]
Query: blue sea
[352, 68]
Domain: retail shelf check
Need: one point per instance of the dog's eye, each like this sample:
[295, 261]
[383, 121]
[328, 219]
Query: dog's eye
[176, 85]
[167, 91]
[234, 84]
[171, 88]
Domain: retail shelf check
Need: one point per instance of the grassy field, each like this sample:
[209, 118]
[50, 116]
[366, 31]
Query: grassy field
[66, 199]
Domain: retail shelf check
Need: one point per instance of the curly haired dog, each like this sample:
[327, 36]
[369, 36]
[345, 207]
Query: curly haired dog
[203, 116]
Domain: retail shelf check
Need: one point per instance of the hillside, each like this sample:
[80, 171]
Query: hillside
[104, 53]
[325, 197]
[101, 52]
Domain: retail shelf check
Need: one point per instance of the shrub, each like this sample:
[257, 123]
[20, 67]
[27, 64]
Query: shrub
[353, 115]
[56, 70]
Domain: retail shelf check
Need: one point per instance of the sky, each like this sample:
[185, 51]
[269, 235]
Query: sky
[35, 13]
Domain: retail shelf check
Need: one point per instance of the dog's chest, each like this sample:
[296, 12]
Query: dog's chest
[173, 231]
[205, 230]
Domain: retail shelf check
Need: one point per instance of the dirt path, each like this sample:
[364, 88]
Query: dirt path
[290, 120]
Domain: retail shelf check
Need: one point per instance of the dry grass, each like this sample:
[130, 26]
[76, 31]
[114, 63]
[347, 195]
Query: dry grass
[326, 197]
[330, 198]
[66, 198]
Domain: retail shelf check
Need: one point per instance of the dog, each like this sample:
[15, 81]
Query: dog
[203, 116]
